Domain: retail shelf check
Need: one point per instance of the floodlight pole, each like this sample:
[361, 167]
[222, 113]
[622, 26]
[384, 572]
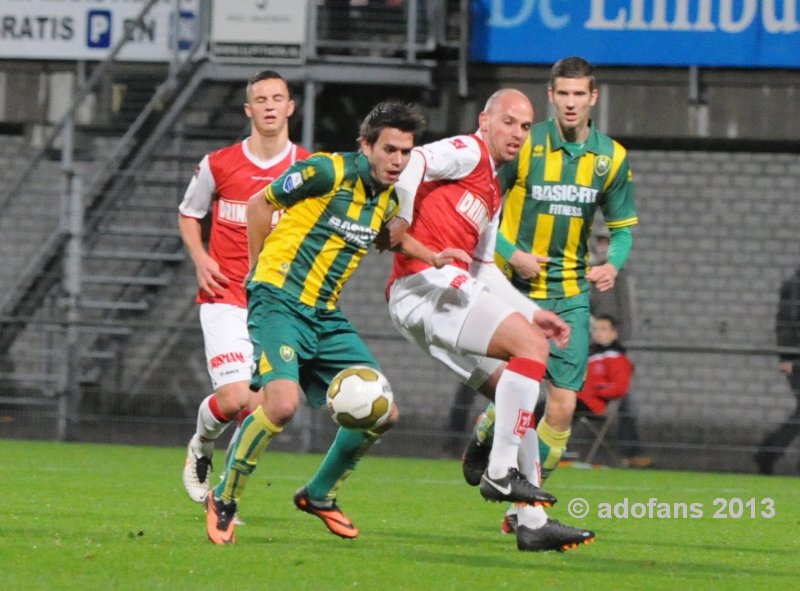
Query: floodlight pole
[69, 393]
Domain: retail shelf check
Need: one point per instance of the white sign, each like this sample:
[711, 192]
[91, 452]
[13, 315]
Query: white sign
[90, 29]
[267, 30]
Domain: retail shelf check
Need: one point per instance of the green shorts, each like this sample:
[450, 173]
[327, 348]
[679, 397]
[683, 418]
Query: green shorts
[301, 343]
[566, 368]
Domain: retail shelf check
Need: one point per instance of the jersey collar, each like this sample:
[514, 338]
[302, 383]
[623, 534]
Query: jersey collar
[556, 143]
[362, 166]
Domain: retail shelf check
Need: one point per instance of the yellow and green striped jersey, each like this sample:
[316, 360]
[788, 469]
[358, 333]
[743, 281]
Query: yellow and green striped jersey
[552, 191]
[332, 214]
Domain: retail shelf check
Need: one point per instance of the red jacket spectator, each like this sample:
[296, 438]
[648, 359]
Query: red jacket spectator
[607, 377]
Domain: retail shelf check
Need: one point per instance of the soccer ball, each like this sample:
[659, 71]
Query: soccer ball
[359, 398]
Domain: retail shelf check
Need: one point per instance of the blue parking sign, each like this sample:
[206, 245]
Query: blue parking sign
[98, 29]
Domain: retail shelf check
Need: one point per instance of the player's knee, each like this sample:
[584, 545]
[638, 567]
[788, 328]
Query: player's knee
[234, 398]
[281, 402]
[533, 346]
[560, 409]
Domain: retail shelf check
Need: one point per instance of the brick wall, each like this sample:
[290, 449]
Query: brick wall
[718, 233]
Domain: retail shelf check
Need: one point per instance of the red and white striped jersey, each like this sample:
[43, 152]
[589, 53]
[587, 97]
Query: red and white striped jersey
[222, 184]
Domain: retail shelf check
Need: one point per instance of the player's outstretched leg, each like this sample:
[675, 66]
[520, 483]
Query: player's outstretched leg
[553, 535]
[222, 501]
[318, 497]
[328, 511]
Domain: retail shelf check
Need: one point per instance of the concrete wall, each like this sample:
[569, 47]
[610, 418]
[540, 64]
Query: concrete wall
[718, 233]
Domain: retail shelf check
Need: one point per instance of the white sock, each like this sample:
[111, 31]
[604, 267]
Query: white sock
[530, 465]
[531, 517]
[209, 428]
[515, 397]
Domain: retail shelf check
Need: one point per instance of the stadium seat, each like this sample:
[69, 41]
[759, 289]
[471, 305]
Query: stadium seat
[599, 426]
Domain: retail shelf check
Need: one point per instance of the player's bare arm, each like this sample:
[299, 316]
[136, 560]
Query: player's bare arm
[412, 247]
[259, 224]
[391, 234]
[209, 278]
[603, 276]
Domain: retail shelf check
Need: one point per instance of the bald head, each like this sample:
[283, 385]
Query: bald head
[505, 122]
[503, 96]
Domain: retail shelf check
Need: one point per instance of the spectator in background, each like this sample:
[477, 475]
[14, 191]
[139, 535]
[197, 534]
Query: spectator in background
[610, 370]
[608, 377]
[787, 331]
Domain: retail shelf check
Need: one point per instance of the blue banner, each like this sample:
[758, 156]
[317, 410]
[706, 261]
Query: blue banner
[711, 33]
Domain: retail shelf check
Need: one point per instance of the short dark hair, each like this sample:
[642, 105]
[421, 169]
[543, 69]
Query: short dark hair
[406, 117]
[265, 75]
[572, 67]
[608, 318]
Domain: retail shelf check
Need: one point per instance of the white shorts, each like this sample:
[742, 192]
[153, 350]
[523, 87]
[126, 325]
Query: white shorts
[430, 309]
[229, 353]
[499, 285]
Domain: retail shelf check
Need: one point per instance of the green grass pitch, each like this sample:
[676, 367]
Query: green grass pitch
[90, 517]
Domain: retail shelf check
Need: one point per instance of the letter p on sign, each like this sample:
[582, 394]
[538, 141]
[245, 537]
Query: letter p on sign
[98, 29]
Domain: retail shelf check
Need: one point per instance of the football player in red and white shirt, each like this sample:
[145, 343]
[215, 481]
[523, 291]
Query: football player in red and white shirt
[469, 317]
[223, 182]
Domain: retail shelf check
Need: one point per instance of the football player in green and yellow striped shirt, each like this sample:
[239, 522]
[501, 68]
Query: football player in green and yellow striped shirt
[565, 172]
[334, 206]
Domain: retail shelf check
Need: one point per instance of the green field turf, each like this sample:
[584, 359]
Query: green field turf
[95, 517]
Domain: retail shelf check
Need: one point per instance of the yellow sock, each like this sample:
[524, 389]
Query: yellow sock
[552, 444]
[256, 432]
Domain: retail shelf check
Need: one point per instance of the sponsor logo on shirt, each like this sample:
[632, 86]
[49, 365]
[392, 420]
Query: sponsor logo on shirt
[474, 210]
[569, 193]
[232, 211]
[353, 233]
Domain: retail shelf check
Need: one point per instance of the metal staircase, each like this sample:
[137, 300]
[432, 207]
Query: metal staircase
[102, 310]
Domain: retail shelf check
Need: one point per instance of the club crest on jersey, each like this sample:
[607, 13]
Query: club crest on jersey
[286, 353]
[602, 164]
[391, 207]
[292, 182]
